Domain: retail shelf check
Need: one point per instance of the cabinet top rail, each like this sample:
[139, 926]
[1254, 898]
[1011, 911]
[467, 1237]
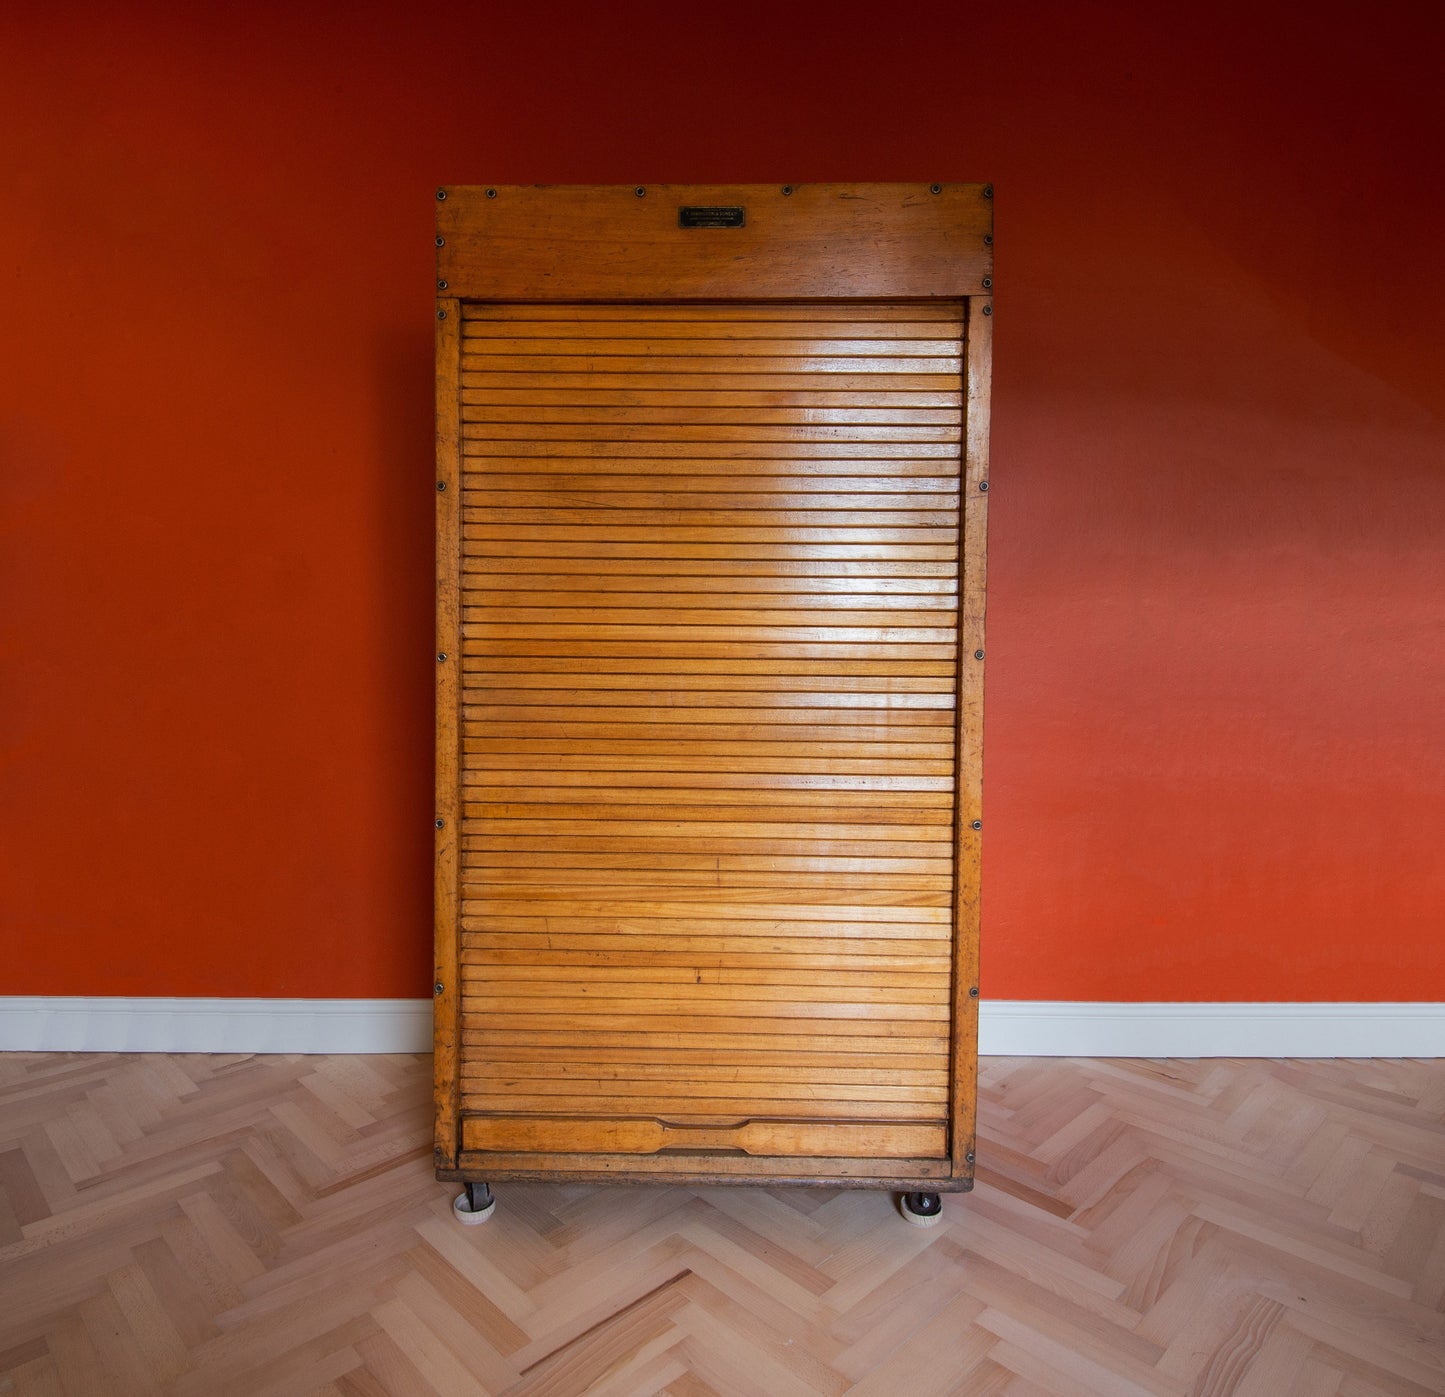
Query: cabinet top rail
[708, 241]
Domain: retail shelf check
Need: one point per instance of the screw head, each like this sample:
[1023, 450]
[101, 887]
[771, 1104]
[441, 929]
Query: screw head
[441, 241]
[787, 189]
[441, 486]
[441, 315]
[988, 191]
[441, 824]
[988, 310]
[978, 654]
[639, 191]
[491, 193]
[983, 485]
[441, 286]
[935, 189]
[968, 1158]
[973, 991]
[438, 988]
[987, 283]
[988, 239]
[975, 824]
[441, 657]
[441, 194]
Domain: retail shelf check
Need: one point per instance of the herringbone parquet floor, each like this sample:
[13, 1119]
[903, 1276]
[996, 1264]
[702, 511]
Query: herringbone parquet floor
[259, 1226]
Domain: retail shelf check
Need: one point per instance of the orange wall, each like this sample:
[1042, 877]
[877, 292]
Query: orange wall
[1215, 707]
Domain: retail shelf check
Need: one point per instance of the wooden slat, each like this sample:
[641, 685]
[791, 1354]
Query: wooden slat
[695, 826]
[705, 984]
[607, 451]
[844, 509]
[677, 409]
[845, 1046]
[696, 1105]
[716, 322]
[483, 570]
[513, 955]
[796, 1064]
[709, 346]
[889, 1139]
[604, 705]
[733, 312]
[704, 934]
[508, 880]
[739, 668]
[799, 803]
[599, 768]
[765, 560]
[621, 386]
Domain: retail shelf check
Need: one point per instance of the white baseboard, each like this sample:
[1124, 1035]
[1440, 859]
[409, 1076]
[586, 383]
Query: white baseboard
[1063, 1028]
[1007, 1028]
[37, 1023]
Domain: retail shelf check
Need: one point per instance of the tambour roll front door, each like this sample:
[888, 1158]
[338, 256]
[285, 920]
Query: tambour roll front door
[709, 682]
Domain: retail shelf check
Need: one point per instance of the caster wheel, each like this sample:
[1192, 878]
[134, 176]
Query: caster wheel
[921, 1209]
[474, 1206]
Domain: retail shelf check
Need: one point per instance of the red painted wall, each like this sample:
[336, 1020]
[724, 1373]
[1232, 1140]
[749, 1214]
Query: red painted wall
[1215, 717]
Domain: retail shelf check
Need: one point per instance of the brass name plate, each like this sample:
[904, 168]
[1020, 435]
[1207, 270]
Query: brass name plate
[711, 216]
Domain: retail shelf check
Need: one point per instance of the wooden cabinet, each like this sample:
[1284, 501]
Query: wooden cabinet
[711, 475]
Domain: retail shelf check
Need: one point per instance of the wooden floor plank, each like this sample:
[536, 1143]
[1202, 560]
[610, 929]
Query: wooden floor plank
[248, 1225]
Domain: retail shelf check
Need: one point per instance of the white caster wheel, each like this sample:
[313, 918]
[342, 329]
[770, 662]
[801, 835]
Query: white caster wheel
[474, 1206]
[921, 1209]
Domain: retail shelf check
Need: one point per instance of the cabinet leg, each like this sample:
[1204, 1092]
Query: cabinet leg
[921, 1209]
[476, 1204]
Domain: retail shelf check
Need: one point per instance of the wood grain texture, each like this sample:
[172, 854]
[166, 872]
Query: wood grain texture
[827, 241]
[228, 1226]
[685, 1027]
[446, 1040]
[973, 596]
[852, 1140]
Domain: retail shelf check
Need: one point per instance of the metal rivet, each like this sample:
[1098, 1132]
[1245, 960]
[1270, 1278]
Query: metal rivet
[441, 194]
[988, 191]
[438, 988]
[975, 824]
[441, 286]
[441, 241]
[978, 654]
[787, 189]
[987, 283]
[973, 992]
[491, 193]
[935, 189]
[988, 310]
[639, 191]
[983, 485]
[988, 239]
[968, 1158]
[441, 486]
[441, 824]
[441, 315]
[441, 657]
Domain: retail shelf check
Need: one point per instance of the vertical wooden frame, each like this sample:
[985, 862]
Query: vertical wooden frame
[446, 1039]
[968, 867]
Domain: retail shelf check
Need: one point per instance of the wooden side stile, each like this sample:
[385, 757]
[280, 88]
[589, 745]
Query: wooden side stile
[446, 986]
